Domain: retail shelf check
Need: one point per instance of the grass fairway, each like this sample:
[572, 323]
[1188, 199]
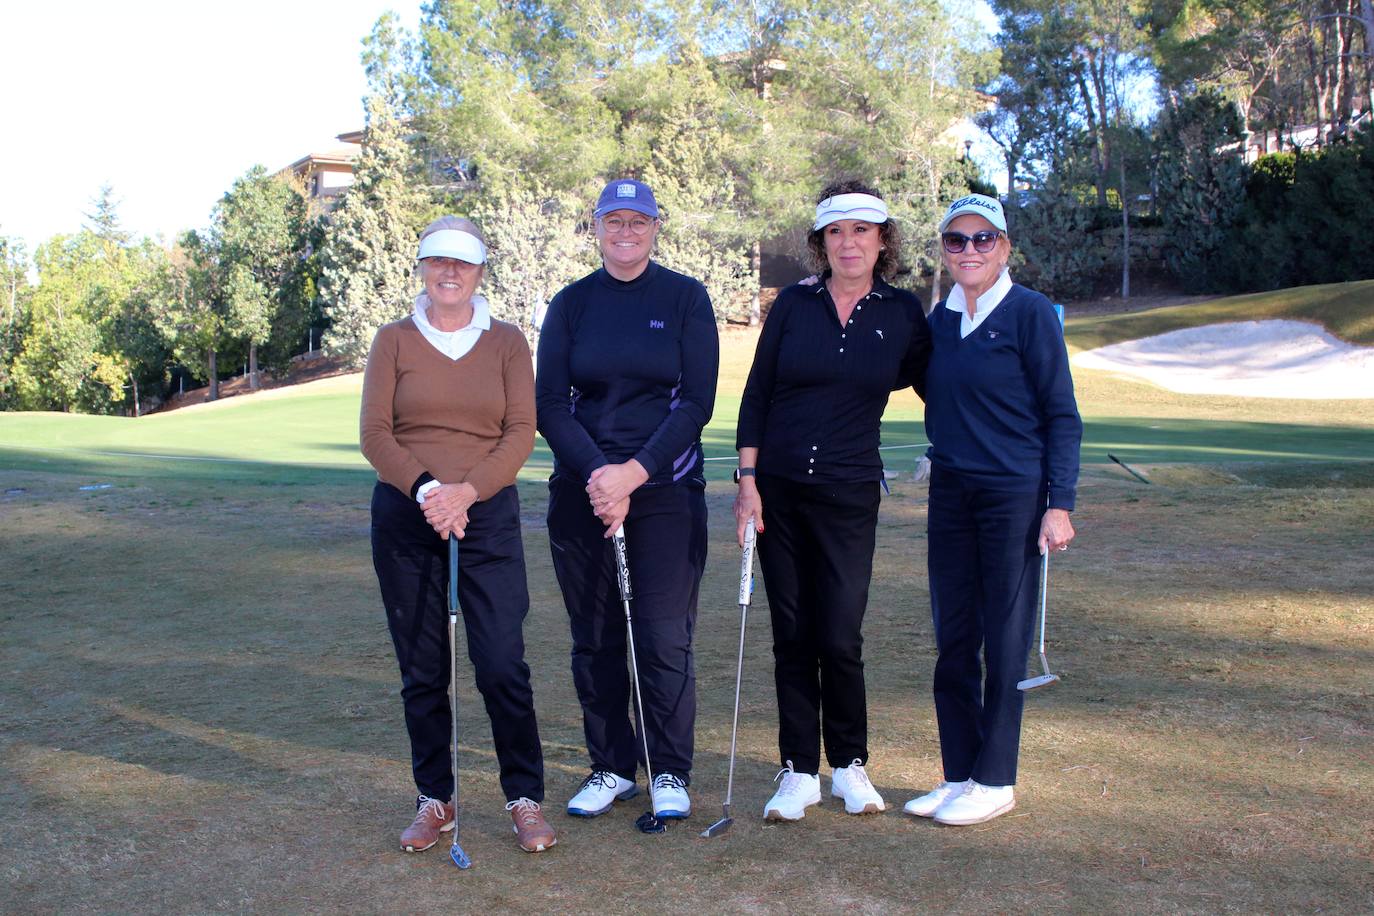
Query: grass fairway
[199, 706]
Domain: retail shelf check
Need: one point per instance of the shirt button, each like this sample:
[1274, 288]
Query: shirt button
[813, 448]
[841, 349]
[841, 337]
[859, 308]
[810, 470]
[813, 460]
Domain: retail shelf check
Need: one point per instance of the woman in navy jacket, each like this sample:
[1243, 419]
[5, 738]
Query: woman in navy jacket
[1005, 433]
[628, 358]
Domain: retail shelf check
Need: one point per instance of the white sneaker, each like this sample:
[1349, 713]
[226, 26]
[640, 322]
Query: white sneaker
[798, 792]
[977, 803]
[671, 801]
[851, 783]
[599, 791]
[926, 805]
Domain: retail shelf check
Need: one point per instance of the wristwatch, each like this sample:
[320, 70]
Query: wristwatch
[745, 472]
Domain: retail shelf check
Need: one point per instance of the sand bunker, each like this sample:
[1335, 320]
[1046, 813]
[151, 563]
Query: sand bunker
[1257, 359]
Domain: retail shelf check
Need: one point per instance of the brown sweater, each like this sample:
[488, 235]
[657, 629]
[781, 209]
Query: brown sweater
[470, 420]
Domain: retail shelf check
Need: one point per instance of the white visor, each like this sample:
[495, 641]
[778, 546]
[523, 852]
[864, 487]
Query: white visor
[866, 207]
[453, 243]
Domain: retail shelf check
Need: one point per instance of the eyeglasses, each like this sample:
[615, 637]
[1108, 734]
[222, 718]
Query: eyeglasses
[637, 225]
[983, 242]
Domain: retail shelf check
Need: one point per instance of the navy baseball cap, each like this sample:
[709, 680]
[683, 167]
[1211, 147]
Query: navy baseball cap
[626, 194]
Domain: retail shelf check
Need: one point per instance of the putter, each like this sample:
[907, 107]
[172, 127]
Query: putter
[455, 851]
[648, 822]
[746, 590]
[1042, 680]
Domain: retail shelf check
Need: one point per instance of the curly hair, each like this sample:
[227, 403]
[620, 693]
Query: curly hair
[891, 237]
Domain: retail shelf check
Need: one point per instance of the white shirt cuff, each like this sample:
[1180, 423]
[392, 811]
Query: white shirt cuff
[425, 488]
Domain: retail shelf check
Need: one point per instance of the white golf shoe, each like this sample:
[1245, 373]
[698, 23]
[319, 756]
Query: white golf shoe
[926, 805]
[671, 801]
[851, 783]
[797, 792]
[599, 791]
[976, 804]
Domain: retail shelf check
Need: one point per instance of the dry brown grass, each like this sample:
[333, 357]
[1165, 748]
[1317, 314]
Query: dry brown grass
[199, 713]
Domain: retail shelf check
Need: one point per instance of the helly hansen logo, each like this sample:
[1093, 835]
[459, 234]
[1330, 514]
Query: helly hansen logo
[655, 323]
[880, 333]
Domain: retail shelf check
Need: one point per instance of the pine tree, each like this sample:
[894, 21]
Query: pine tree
[369, 243]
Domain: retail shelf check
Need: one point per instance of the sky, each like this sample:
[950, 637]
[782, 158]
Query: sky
[168, 102]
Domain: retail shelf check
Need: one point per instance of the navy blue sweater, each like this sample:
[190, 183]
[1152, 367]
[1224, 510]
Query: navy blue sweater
[628, 370]
[999, 403]
[817, 391]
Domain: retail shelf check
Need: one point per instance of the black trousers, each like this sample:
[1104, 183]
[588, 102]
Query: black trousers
[665, 539]
[816, 554]
[984, 566]
[412, 569]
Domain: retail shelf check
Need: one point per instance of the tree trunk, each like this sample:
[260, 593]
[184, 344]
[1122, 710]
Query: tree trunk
[134, 382]
[1125, 235]
[935, 284]
[756, 265]
[252, 365]
[213, 362]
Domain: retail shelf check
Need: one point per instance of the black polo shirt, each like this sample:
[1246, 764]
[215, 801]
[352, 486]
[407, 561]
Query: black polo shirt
[817, 390]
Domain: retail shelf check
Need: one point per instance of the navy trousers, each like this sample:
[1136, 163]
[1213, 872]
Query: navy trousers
[984, 568]
[816, 554]
[665, 538]
[412, 569]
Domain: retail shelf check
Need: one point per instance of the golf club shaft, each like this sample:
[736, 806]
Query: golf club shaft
[622, 564]
[746, 588]
[453, 666]
[1044, 601]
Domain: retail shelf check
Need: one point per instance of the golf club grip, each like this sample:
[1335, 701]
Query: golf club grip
[622, 564]
[746, 564]
[452, 574]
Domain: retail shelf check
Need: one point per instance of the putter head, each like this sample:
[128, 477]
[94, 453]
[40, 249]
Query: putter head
[1033, 683]
[648, 823]
[459, 857]
[718, 827]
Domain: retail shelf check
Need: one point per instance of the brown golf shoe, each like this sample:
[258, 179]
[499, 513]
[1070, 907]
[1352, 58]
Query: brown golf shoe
[432, 817]
[531, 830]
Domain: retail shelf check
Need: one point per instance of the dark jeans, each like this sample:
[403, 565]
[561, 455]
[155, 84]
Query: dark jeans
[984, 566]
[816, 554]
[665, 538]
[412, 569]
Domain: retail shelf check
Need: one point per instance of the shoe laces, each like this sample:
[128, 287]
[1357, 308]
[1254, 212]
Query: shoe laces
[527, 809]
[600, 779]
[857, 775]
[431, 807]
[792, 781]
[670, 782]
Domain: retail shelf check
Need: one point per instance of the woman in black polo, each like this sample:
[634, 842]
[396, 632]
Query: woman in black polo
[809, 475]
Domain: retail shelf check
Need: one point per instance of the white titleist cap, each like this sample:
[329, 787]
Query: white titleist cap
[453, 243]
[988, 208]
[850, 206]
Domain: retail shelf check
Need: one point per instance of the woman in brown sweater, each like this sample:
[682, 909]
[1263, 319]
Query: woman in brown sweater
[447, 420]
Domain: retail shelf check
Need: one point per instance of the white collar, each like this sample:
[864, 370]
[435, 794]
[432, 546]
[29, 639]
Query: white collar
[481, 315]
[957, 302]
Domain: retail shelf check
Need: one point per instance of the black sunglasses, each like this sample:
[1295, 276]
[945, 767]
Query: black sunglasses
[983, 242]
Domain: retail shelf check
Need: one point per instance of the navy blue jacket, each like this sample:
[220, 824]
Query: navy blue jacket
[628, 370]
[817, 391]
[999, 403]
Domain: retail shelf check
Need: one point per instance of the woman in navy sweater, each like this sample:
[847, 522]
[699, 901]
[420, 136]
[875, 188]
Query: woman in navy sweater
[827, 359]
[1005, 432]
[628, 358]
